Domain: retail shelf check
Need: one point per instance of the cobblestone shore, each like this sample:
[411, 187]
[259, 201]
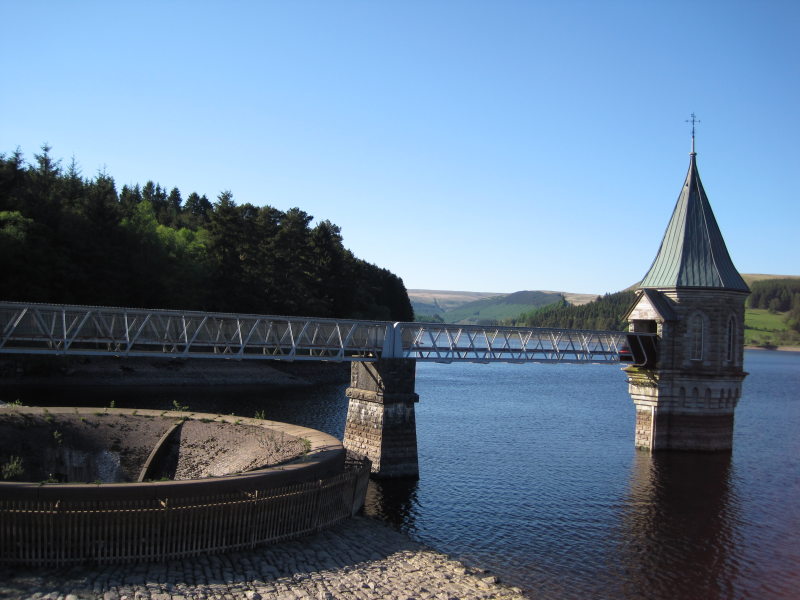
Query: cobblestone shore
[361, 559]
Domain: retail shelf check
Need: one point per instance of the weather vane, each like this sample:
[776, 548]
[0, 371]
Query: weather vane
[693, 120]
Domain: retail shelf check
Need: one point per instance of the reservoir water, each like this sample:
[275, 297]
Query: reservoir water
[530, 471]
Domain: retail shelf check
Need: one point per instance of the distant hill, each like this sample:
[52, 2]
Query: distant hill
[749, 279]
[499, 308]
[603, 313]
[547, 309]
[437, 302]
[484, 307]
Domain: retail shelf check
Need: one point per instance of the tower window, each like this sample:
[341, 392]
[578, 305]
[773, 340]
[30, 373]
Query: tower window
[730, 339]
[696, 337]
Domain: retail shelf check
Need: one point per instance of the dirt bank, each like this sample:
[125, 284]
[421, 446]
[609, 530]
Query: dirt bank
[156, 371]
[111, 446]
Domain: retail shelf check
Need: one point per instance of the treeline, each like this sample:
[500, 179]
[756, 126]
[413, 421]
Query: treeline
[778, 295]
[69, 239]
[604, 313]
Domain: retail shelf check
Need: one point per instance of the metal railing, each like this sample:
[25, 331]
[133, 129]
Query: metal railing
[483, 344]
[96, 330]
[115, 530]
[29, 328]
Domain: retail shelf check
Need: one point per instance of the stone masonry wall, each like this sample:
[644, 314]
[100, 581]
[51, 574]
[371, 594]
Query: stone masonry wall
[644, 424]
[363, 430]
[687, 402]
[716, 307]
[381, 422]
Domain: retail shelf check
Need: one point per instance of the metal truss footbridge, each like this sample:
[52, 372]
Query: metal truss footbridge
[57, 329]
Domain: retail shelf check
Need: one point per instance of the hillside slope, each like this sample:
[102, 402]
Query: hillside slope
[762, 327]
[499, 308]
[436, 302]
[459, 306]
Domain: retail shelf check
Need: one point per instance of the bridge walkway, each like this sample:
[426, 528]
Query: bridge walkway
[58, 329]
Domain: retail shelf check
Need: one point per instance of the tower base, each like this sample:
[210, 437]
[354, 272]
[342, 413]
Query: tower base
[683, 413]
[659, 429]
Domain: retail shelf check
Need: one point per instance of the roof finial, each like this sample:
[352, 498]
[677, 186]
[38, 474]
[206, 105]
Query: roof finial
[693, 120]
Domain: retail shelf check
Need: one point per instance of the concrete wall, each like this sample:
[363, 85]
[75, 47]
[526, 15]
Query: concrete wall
[325, 458]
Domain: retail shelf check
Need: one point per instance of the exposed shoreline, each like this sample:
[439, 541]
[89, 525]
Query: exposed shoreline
[358, 559]
[111, 371]
[781, 348]
[48, 371]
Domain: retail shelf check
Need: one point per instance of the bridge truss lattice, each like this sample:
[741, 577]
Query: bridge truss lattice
[29, 328]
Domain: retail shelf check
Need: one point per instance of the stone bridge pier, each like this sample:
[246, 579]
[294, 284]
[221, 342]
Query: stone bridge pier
[381, 424]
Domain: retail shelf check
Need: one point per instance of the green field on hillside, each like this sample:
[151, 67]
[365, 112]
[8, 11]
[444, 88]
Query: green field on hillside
[499, 308]
[763, 328]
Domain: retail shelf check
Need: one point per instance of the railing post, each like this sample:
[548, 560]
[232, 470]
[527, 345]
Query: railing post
[393, 341]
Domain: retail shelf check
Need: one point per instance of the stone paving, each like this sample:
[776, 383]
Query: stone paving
[360, 559]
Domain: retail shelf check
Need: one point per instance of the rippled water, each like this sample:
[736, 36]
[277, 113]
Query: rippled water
[530, 471]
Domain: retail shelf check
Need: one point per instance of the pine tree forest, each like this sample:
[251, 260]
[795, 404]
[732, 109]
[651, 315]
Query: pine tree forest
[68, 239]
[604, 314]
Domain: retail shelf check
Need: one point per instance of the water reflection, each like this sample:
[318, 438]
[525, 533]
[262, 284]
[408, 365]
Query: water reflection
[679, 521]
[393, 501]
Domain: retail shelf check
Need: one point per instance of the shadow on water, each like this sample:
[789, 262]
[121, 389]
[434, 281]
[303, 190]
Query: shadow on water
[678, 527]
[393, 501]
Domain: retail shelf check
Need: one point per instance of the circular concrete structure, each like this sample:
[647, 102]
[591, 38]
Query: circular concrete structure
[165, 484]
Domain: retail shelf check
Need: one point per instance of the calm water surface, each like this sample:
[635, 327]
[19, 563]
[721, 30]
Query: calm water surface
[530, 471]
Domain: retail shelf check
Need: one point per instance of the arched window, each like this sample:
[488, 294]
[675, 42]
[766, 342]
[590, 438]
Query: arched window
[696, 337]
[731, 339]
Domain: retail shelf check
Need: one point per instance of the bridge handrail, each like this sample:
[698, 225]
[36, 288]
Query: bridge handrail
[39, 328]
[444, 342]
[179, 312]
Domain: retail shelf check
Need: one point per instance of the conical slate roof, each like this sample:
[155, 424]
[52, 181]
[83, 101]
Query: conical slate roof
[693, 253]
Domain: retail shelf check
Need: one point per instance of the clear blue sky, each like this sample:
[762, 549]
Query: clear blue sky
[483, 146]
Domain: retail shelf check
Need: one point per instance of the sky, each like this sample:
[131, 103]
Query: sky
[489, 146]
